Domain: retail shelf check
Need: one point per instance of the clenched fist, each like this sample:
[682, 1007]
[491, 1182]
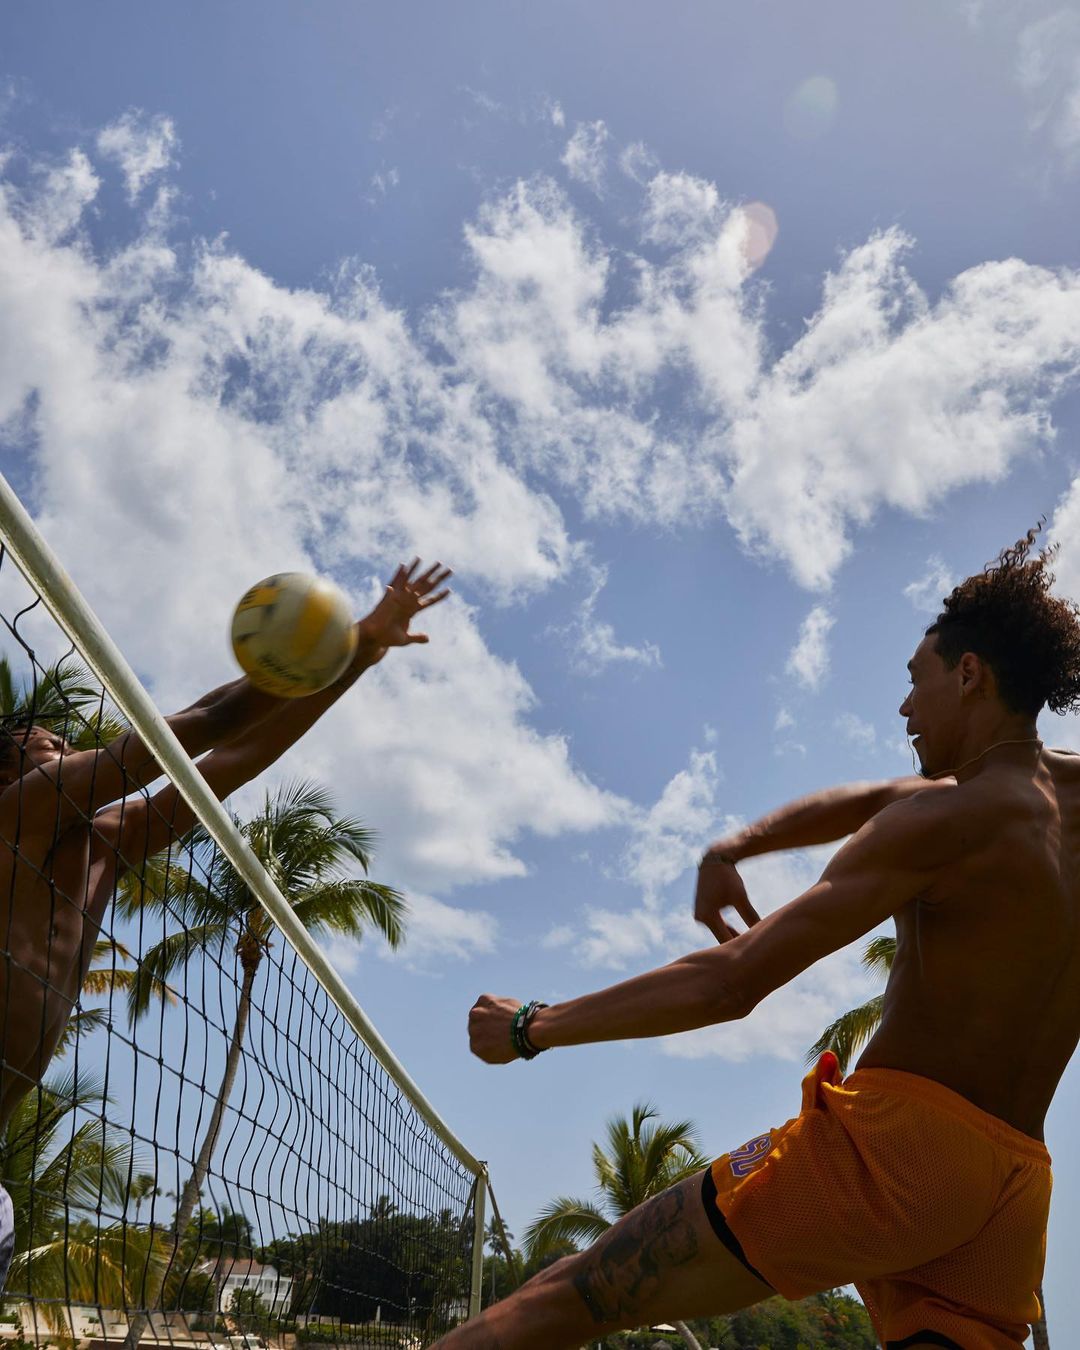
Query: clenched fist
[489, 1029]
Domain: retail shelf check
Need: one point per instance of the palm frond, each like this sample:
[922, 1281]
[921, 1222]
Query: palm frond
[565, 1219]
[849, 1033]
[108, 1267]
[670, 1155]
[153, 971]
[348, 907]
[82, 1022]
[880, 954]
[7, 688]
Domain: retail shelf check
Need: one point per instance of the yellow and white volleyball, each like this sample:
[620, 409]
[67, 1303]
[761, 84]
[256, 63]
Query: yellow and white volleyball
[293, 634]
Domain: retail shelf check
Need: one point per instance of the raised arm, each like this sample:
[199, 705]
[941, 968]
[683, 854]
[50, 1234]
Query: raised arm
[819, 818]
[75, 785]
[885, 866]
[143, 828]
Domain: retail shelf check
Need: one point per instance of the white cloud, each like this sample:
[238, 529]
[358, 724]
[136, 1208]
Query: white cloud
[670, 836]
[680, 209]
[219, 427]
[585, 157]
[553, 110]
[437, 931]
[809, 659]
[638, 162]
[383, 182]
[928, 592]
[667, 841]
[593, 645]
[857, 732]
[143, 147]
[784, 720]
[1048, 71]
[224, 426]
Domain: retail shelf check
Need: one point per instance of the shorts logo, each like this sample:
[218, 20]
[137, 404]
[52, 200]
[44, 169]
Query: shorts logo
[745, 1159]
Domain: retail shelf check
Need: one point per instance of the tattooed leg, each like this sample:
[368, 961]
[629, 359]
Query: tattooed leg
[661, 1262]
[627, 1269]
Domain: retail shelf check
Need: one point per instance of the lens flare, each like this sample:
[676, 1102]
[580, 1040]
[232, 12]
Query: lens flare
[811, 109]
[761, 228]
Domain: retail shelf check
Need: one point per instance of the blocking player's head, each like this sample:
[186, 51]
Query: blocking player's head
[24, 745]
[1002, 648]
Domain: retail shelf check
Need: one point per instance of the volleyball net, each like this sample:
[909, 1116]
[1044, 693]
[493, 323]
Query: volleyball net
[204, 1139]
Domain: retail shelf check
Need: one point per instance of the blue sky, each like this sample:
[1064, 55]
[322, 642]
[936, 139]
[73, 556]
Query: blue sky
[325, 286]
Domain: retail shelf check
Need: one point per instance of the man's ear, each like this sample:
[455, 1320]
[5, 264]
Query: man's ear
[976, 677]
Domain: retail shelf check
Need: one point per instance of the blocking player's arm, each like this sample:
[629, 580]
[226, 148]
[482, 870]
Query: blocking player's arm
[819, 818]
[142, 828]
[50, 797]
[886, 865]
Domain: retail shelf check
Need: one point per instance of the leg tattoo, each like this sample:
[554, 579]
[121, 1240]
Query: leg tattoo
[625, 1270]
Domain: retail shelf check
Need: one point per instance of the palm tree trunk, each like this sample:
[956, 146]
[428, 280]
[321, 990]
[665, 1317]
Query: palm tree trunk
[1040, 1339]
[688, 1336]
[189, 1196]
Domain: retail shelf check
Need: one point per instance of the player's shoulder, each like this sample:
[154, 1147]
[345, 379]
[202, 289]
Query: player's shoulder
[923, 827]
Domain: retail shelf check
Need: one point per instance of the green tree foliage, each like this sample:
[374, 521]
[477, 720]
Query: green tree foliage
[67, 1174]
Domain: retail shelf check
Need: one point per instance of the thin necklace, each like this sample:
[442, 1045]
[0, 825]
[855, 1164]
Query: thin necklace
[942, 773]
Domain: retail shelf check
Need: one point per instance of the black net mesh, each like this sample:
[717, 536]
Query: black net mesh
[197, 1147]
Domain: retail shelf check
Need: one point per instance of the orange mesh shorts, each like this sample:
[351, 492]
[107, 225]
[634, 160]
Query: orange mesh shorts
[933, 1209]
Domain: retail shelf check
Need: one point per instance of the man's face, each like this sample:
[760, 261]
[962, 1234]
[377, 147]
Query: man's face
[39, 748]
[931, 709]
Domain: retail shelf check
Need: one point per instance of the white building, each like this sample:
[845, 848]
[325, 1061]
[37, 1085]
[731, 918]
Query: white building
[231, 1274]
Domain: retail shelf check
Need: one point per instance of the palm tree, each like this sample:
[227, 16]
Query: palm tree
[58, 1189]
[305, 847]
[65, 698]
[850, 1032]
[642, 1159]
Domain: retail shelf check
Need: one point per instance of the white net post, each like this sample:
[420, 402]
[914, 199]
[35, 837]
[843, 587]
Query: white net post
[477, 1281]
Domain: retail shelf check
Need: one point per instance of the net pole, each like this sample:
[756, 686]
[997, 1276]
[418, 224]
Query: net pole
[512, 1263]
[45, 573]
[477, 1282]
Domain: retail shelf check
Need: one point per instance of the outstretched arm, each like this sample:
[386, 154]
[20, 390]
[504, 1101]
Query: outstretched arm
[143, 828]
[886, 865]
[819, 818]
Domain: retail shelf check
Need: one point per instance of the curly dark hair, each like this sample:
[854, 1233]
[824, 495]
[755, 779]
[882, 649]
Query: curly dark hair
[1028, 637]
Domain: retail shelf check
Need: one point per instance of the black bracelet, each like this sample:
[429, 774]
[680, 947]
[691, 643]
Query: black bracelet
[519, 1025]
[709, 857]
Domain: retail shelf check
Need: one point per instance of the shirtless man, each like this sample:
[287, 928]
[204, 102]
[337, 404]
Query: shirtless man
[73, 822]
[922, 1178]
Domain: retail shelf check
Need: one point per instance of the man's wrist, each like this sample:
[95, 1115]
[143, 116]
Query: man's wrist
[731, 851]
[539, 1028]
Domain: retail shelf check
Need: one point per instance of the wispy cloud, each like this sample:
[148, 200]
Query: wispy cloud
[143, 146]
[809, 658]
[856, 731]
[592, 642]
[1048, 71]
[585, 156]
[928, 592]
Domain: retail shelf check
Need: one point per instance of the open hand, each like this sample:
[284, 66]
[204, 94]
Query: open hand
[407, 594]
[489, 1029]
[720, 887]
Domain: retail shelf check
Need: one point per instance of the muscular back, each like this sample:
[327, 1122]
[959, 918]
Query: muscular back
[984, 994]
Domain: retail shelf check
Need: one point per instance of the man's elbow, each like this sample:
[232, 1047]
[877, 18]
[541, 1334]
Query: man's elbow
[722, 995]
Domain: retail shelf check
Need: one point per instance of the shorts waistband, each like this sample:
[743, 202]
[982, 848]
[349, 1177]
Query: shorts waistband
[898, 1083]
